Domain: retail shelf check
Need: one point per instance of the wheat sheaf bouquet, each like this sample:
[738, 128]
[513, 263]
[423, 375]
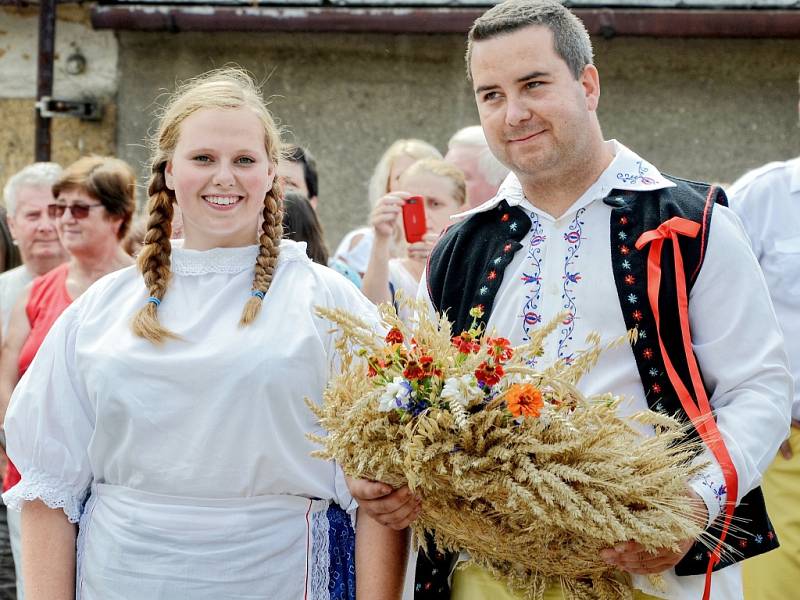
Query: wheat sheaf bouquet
[514, 464]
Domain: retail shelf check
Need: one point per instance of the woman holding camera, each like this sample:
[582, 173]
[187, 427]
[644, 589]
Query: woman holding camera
[442, 190]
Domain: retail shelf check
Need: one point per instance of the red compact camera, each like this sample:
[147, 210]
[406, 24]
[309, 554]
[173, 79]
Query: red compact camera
[414, 218]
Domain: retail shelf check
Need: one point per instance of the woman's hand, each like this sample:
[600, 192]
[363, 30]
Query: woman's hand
[391, 508]
[420, 251]
[385, 217]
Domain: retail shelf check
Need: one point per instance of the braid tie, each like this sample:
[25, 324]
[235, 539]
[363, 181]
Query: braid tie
[267, 259]
[154, 259]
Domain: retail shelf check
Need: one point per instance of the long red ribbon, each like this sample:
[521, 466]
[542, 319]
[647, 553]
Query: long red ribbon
[697, 407]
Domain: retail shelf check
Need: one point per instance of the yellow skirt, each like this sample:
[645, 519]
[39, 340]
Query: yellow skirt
[774, 575]
[475, 583]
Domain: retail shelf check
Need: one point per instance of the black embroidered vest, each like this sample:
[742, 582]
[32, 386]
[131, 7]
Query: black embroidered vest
[467, 266]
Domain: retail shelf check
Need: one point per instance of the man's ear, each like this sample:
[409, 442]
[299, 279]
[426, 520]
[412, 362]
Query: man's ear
[169, 179]
[590, 82]
[10, 223]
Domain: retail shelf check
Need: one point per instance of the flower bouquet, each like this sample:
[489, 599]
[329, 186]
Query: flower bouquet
[514, 464]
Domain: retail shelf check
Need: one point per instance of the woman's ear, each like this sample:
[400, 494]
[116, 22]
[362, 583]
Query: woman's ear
[271, 170]
[169, 179]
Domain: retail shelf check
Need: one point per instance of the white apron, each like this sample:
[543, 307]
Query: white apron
[136, 545]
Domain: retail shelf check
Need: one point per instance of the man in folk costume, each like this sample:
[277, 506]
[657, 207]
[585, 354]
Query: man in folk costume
[768, 201]
[587, 227]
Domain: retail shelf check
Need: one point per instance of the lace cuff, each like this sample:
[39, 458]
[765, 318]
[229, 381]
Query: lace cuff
[36, 485]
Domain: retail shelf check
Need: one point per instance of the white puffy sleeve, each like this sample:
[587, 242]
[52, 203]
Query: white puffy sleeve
[49, 425]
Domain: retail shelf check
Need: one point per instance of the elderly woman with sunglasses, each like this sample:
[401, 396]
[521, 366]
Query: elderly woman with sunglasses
[93, 208]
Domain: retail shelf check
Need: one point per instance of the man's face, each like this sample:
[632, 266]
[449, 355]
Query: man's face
[536, 116]
[467, 159]
[32, 228]
[291, 176]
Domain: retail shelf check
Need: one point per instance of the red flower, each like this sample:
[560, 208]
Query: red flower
[630, 279]
[624, 250]
[623, 220]
[394, 336]
[504, 218]
[656, 388]
[647, 353]
[499, 348]
[465, 343]
[413, 371]
[637, 315]
[374, 366]
[492, 275]
[507, 248]
[489, 374]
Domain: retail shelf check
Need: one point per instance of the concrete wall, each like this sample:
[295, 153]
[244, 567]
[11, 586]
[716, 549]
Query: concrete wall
[71, 138]
[703, 109]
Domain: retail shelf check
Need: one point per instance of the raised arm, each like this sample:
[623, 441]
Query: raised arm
[384, 220]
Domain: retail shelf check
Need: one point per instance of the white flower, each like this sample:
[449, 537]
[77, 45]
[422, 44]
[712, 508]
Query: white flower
[462, 389]
[396, 395]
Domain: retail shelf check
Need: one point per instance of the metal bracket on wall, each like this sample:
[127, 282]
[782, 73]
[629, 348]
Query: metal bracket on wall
[86, 110]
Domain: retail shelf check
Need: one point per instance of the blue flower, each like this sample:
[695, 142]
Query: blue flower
[397, 394]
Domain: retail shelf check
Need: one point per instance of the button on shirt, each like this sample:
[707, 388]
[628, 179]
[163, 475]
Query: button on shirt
[565, 267]
[768, 202]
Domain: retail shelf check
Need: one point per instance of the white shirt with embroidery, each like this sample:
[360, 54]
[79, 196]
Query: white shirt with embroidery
[768, 202]
[565, 264]
[193, 453]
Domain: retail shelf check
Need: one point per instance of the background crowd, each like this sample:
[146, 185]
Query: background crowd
[62, 229]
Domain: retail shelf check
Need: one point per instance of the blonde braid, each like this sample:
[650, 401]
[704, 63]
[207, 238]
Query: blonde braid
[269, 244]
[154, 258]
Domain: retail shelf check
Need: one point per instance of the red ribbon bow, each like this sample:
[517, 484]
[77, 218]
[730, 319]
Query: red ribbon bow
[696, 406]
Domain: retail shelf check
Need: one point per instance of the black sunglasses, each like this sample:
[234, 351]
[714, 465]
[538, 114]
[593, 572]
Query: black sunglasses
[77, 210]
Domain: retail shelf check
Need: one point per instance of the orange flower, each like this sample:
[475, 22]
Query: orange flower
[524, 400]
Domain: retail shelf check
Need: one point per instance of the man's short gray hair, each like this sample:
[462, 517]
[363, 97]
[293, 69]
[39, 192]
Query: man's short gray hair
[492, 170]
[570, 38]
[40, 174]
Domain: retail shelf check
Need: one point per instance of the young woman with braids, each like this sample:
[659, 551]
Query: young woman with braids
[165, 411]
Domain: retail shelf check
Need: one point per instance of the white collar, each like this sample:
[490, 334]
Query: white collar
[628, 171]
[228, 260]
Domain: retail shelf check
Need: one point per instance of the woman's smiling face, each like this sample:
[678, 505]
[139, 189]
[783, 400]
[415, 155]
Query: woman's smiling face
[220, 173]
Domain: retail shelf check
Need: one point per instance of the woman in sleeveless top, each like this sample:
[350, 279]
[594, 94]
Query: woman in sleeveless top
[94, 204]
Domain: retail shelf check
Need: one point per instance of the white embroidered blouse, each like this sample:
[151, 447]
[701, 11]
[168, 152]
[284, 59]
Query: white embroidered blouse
[217, 414]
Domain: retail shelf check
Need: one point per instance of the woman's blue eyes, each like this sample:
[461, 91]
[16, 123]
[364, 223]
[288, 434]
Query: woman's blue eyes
[244, 160]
